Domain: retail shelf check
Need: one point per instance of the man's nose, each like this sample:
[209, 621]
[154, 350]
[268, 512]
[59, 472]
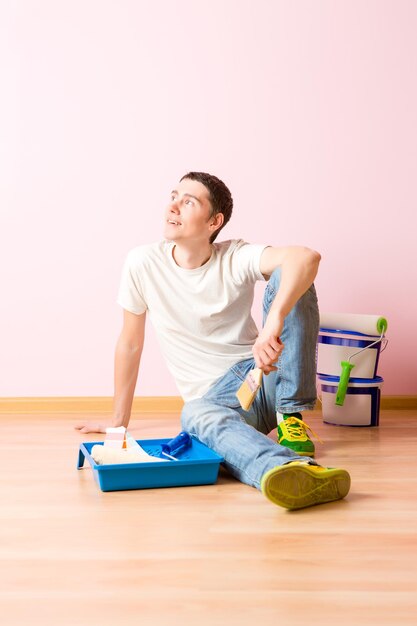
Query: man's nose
[174, 206]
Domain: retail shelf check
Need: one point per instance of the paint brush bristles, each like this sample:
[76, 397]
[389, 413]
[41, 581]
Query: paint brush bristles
[249, 388]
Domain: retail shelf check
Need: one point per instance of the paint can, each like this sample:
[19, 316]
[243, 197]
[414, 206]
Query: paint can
[337, 346]
[361, 404]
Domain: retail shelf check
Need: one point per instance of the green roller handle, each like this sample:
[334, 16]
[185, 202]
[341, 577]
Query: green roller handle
[382, 325]
[343, 382]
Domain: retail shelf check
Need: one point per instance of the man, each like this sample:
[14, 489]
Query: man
[199, 296]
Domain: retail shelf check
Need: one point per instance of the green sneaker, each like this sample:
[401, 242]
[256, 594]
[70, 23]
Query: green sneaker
[292, 433]
[297, 485]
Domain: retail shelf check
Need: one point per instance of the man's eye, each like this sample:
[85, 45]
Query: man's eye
[189, 202]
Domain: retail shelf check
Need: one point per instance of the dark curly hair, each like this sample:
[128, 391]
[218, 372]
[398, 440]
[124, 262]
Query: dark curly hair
[219, 195]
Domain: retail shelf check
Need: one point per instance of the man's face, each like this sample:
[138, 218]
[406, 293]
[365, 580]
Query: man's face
[187, 216]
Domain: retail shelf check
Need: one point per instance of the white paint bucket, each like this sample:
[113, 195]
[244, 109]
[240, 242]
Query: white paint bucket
[361, 403]
[337, 346]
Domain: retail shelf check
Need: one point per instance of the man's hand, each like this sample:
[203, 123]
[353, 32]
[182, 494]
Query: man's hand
[268, 346]
[91, 427]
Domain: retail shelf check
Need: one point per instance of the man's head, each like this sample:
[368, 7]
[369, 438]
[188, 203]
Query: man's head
[219, 196]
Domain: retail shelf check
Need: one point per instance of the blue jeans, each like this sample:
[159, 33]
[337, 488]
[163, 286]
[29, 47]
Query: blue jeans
[239, 436]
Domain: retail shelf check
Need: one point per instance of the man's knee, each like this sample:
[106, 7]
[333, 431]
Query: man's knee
[275, 279]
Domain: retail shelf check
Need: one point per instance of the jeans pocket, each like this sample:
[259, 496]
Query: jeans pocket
[223, 391]
[242, 368]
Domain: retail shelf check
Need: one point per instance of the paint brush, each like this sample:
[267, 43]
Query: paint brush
[249, 388]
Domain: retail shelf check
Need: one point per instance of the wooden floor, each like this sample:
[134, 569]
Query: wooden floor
[214, 555]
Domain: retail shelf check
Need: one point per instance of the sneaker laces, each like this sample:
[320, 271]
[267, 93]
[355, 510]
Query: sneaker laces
[297, 427]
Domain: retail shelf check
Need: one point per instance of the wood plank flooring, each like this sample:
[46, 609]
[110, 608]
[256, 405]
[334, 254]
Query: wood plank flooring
[214, 555]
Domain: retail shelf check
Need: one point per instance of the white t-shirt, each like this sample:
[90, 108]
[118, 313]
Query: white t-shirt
[202, 316]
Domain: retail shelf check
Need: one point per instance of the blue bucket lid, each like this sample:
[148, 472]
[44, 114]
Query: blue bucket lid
[347, 332]
[326, 378]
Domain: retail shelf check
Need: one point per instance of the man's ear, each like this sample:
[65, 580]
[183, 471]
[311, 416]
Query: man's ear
[217, 220]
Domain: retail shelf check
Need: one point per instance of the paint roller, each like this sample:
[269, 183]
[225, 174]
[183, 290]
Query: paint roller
[104, 455]
[108, 455]
[365, 324]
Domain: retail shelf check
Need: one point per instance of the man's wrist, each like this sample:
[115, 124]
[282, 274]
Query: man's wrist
[279, 309]
[118, 421]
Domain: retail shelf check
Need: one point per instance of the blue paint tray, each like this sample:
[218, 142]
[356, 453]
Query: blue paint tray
[197, 465]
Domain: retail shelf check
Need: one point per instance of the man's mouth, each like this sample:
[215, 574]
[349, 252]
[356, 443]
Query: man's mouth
[174, 222]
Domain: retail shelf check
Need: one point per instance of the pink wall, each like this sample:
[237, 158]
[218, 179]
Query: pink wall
[306, 109]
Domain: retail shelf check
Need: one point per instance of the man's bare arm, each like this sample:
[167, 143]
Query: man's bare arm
[299, 267]
[126, 367]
